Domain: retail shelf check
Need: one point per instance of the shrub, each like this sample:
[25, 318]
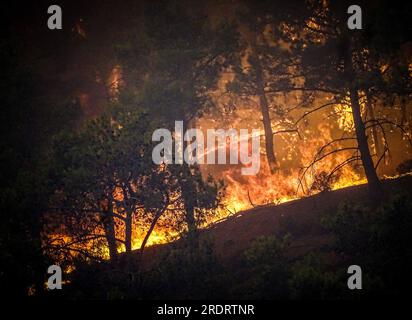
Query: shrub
[379, 240]
[310, 279]
[269, 267]
[404, 167]
[186, 272]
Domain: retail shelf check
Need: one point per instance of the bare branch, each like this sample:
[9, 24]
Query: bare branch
[314, 110]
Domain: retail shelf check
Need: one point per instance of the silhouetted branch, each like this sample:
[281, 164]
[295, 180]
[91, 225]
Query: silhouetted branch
[314, 110]
[87, 211]
[341, 165]
[379, 122]
[250, 200]
[288, 131]
[381, 157]
[317, 160]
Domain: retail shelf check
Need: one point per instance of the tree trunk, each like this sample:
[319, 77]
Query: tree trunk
[110, 236]
[190, 217]
[128, 232]
[264, 109]
[188, 199]
[370, 172]
[149, 232]
[374, 184]
[374, 131]
[187, 189]
[128, 221]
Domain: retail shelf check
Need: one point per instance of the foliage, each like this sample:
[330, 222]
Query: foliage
[269, 267]
[29, 119]
[322, 182]
[404, 167]
[187, 273]
[312, 280]
[377, 239]
[106, 182]
[180, 272]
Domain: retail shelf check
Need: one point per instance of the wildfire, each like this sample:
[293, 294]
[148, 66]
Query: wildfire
[296, 152]
[298, 176]
[306, 166]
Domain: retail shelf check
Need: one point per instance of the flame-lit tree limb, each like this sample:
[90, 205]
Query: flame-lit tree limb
[167, 203]
[307, 113]
[371, 113]
[118, 216]
[308, 99]
[381, 157]
[80, 245]
[106, 218]
[341, 165]
[337, 113]
[385, 138]
[310, 89]
[156, 217]
[288, 131]
[382, 121]
[318, 157]
[375, 122]
[83, 252]
[123, 205]
[81, 240]
[379, 122]
[320, 151]
[316, 160]
[250, 200]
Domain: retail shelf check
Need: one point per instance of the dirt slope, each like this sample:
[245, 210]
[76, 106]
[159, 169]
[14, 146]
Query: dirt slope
[300, 217]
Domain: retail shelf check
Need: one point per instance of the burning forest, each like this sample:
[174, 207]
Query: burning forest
[145, 141]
